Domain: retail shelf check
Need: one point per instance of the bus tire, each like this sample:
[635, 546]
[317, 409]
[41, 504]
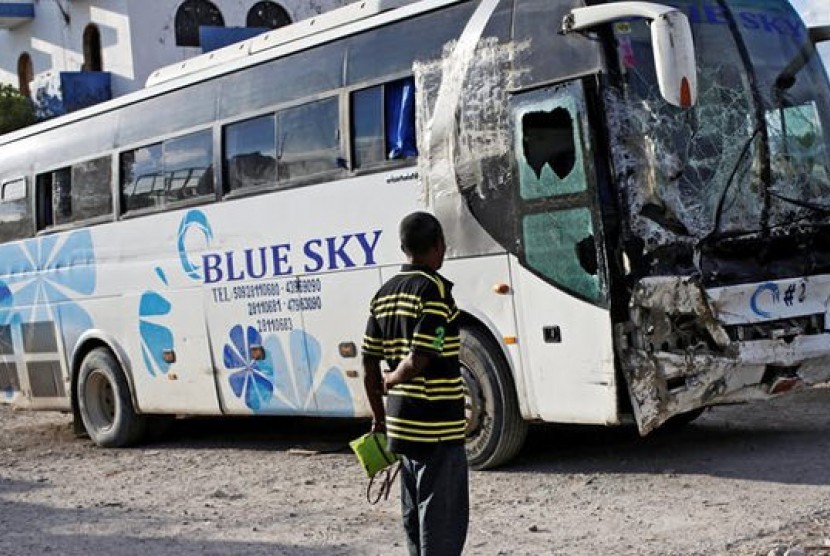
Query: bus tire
[495, 428]
[105, 404]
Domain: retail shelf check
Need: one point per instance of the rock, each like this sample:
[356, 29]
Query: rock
[533, 528]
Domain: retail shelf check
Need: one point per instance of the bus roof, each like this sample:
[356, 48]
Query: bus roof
[342, 22]
[334, 19]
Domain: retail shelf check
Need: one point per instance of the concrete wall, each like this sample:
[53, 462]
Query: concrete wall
[137, 36]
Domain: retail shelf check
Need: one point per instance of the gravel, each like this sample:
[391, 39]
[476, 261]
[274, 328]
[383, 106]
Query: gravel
[749, 479]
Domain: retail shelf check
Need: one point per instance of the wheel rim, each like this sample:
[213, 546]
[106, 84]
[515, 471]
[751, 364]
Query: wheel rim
[475, 407]
[100, 401]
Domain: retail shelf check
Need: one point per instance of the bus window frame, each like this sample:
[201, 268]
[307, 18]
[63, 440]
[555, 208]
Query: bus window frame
[590, 198]
[240, 192]
[86, 222]
[124, 214]
[293, 183]
[388, 164]
[4, 184]
[27, 190]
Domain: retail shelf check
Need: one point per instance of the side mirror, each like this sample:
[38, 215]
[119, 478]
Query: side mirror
[674, 59]
[671, 36]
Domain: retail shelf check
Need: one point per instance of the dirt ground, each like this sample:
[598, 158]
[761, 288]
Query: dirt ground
[750, 479]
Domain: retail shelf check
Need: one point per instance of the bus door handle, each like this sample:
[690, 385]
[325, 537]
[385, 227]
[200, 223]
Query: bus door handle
[552, 334]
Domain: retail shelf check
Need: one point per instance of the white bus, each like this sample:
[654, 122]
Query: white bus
[636, 225]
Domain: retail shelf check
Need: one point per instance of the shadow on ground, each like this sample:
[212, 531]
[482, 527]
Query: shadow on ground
[783, 441]
[45, 529]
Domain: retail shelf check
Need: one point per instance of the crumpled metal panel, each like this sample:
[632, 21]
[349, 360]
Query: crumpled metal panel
[462, 116]
[677, 355]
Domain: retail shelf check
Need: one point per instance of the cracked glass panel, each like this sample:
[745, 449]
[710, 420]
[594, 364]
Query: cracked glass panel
[552, 247]
[752, 156]
[549, 149]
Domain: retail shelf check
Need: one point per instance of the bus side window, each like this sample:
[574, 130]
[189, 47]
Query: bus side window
[90, 191]
[15, 220]
[142, 178]
[46, 186]
[75, 193]
[368, 143]
[383, 123]
[399, 100]
[558, 224]
[188, 166]
[250, 153]
[168, 173]
[308, 140]
[43, 201]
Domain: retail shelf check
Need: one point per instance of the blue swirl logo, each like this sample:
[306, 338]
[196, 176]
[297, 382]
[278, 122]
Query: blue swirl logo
[193, 221]
[774, 293]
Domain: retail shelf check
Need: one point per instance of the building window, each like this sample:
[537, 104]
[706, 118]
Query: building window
[267, 14]
[92, 49]
[193, 14]
[25, 74]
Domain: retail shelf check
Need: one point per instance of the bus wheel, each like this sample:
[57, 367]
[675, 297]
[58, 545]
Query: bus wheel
[495, 428]
[105, 404]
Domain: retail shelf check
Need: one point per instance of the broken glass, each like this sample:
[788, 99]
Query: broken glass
[757, 139]
[553, 243]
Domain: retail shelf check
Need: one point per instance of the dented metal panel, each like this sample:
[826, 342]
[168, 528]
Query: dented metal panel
[686, 347]
[460, 125]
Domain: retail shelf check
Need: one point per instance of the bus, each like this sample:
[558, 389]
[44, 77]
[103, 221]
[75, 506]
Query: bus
[635, 198]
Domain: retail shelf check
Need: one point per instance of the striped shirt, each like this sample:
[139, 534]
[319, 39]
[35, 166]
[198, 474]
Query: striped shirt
[415, 312]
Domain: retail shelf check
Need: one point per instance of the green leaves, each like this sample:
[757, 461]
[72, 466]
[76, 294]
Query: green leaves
[16, 111]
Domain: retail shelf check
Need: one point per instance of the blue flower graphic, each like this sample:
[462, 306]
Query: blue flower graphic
[250, 379]
[44, 277]
[155, 338]
[299, 388]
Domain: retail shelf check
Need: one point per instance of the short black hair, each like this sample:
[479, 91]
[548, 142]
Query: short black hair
[419, 232]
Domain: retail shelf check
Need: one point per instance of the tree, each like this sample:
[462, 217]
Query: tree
[16, 111]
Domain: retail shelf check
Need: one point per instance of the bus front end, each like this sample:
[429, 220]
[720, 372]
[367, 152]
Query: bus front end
[722, 283]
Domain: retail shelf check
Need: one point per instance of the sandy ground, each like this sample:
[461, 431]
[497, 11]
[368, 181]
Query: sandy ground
[748, 479]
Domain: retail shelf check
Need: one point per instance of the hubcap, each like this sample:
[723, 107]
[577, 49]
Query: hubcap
[100, 400]
[473, 402]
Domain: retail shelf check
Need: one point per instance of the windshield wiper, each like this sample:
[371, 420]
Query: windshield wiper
[821, 209]
[722, 200]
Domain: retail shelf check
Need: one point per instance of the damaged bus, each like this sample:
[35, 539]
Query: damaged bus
[635, 198]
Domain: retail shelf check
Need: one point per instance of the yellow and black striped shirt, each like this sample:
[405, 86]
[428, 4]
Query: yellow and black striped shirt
[415, 311]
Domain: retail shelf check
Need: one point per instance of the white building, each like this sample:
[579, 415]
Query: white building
[127, 38]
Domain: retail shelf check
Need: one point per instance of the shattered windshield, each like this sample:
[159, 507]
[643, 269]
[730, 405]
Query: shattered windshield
[752, 155]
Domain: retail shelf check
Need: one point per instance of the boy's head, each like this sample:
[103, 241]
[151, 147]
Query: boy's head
[422, 239]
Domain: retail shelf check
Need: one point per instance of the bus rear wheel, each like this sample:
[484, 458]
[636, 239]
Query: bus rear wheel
[105, 404]
[495, 428]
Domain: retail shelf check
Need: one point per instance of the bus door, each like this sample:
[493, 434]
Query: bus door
[561, 281]
[334, 310]
[258, 348]
[287, 346]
